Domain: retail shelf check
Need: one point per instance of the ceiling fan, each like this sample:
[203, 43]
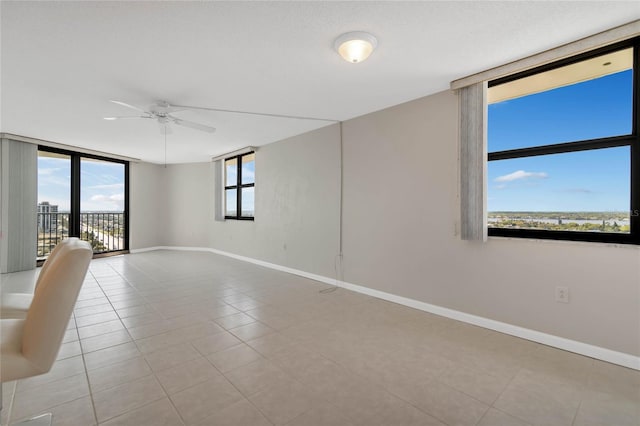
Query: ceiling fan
[161, 111]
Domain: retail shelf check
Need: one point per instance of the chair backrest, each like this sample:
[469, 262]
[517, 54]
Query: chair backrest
[53, 303]
[52, 258]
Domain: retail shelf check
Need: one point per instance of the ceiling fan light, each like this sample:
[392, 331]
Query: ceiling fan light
[355, 46]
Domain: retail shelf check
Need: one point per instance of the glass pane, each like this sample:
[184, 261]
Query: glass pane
[587, 100]
[231, 206]
[248, 168]
[577, 191]
[102, 204]
[54, 200]
[248, 204]
[231, 172]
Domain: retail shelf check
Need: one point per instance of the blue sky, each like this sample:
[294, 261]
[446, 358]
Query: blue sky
[102, 184]
[581, 181]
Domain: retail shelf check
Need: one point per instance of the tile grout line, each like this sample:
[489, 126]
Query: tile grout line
[83, 353]
[582, 392]
[84, 363]
[246, 397]
[134, 408]
[492, 406]
[132, 340]
[223, 374]
[13, 397]
[169, 396]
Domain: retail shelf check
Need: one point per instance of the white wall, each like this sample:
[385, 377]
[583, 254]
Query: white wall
[400, 217]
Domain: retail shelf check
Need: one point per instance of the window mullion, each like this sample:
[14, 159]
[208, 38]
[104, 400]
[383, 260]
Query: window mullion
[74, 216]
[634, 214]
[561, 148]
[239, 190]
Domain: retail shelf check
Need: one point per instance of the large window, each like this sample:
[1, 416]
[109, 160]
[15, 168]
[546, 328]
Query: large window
[564, 152]
[81, 196]
[239, 186]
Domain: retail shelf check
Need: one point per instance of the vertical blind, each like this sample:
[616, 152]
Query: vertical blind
[18, 206]
[218, 204]
[473, 164]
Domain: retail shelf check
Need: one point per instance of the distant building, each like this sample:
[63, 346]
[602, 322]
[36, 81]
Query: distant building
[47, 216]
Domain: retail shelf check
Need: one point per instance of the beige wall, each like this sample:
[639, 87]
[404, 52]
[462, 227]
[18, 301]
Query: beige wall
[170, 206]
[297, 210]
[401, 212]
[400, 218]
[189, 209]
[147, 204]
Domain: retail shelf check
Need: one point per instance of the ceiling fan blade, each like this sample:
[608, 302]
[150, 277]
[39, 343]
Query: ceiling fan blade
[193, 125]
[262, 114]
[168, 108]
[130, 106]
[127, 117]
[183, 107]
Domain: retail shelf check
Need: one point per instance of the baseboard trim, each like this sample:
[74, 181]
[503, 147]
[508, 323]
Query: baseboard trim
[604, 354]
[145, 249]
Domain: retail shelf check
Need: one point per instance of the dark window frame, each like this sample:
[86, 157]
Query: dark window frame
[238, 187]
[631, 140]
[74, 196]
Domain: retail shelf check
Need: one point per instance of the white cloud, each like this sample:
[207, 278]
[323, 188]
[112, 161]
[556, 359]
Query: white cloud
[43, 171]
[579, 190]
[108, 186]
[105, 202]
[114, 197]
[521, 174]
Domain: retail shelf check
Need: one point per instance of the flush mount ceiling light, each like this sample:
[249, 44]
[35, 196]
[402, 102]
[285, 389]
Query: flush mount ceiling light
[355, 46]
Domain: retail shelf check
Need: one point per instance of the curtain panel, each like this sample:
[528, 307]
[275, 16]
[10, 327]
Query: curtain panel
[473, 162]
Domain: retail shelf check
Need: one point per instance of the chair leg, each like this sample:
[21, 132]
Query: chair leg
[41, 420]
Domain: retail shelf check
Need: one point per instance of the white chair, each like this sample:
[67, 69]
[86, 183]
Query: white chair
[29, 346]
[16, 305]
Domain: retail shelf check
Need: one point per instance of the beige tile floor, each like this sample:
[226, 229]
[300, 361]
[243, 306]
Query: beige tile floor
[184, 338]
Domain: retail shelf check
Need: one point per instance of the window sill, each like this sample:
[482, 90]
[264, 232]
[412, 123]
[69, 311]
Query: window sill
[591, 244]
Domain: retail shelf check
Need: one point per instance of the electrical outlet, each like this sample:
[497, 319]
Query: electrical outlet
[562, 294]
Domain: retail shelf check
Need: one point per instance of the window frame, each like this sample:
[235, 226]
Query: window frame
[631, 140]
[75, 229]
[238, 187]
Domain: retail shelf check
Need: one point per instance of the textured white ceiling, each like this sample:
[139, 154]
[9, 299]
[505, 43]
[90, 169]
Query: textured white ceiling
[63, 61]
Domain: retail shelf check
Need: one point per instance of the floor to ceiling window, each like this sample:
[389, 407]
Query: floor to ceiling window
[83, 196]
[54, 200]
